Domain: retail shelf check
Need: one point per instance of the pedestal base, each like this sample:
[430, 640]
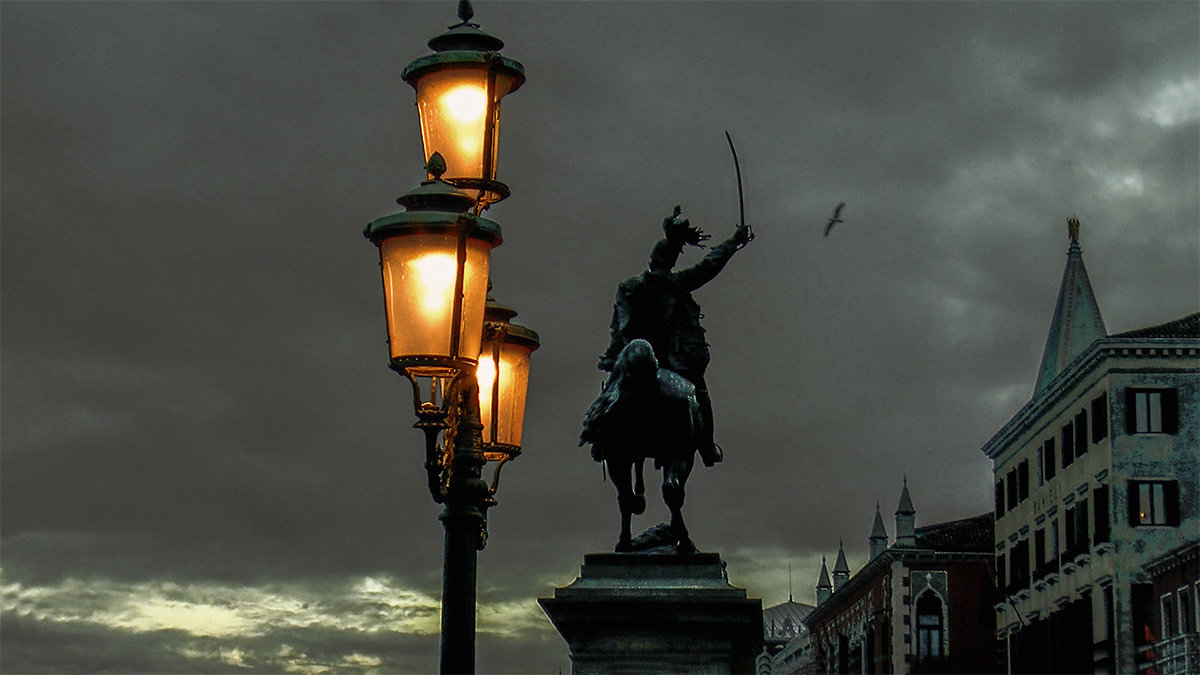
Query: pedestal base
[656, 613]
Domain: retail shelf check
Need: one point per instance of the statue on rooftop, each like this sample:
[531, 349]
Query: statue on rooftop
[655, 403]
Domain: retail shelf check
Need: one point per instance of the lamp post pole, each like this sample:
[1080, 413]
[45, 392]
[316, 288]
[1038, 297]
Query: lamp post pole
[464, 524]
[442, 332]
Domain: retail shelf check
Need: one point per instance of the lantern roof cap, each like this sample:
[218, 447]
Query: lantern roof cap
[434, 206]
[496, 313]
[465, 37]
[464, 34]
[464, 43]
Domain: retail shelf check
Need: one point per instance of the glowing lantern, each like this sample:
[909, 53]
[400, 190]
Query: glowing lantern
[503, 375]
[434, 259]
[459, 88]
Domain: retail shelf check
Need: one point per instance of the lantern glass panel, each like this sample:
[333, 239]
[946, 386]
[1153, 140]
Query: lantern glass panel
[420, 272]
[455, 112]
[511, 362]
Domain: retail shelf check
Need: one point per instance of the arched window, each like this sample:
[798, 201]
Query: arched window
[930, 627]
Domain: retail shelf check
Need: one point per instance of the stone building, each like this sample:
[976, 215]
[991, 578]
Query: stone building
[921, 605]
[1095, 481]
[1172, 644]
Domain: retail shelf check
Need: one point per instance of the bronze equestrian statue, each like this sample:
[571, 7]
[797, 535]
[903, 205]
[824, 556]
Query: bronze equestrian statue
[655, 403]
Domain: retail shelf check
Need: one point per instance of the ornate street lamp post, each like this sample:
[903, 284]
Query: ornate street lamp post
[468, 364]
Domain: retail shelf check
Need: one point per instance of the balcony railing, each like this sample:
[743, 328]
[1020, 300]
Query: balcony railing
[1176, 655]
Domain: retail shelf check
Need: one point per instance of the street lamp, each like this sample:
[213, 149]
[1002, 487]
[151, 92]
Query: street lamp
[442, 333]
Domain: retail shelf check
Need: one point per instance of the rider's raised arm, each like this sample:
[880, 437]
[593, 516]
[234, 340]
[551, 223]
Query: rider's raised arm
[691, 278]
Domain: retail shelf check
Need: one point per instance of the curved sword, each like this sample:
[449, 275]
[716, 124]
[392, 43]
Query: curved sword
[741, 202]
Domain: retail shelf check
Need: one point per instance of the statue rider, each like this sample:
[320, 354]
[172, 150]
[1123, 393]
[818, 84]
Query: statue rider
[657, 306]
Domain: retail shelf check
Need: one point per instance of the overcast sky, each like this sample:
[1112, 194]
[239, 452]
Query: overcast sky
[207, 465]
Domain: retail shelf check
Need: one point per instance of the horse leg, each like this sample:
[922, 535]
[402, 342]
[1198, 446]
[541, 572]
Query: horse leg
[675, 475]
[621, 471]
[639, 488]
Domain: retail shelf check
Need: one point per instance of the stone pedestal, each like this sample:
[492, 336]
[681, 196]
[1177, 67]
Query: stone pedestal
[656, 613]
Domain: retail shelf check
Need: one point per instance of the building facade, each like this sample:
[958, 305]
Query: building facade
[921, 605]
[1095, 480]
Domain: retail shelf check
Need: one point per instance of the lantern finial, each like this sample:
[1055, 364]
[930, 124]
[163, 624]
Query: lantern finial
[436, 166]
[465, 12]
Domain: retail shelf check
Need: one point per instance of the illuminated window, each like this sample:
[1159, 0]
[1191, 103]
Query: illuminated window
[1153, 502]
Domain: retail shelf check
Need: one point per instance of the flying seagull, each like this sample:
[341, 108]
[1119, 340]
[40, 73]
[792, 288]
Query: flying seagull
[837, 218]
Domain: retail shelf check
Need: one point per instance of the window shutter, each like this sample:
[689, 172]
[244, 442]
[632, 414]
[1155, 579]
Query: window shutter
[1069, 522]
[1081, 434]
[1023, 480]
[1130, 412]
[1171, 497]
[1100, 418]
[1134, 507]
[1170, 411]
[1101, 515]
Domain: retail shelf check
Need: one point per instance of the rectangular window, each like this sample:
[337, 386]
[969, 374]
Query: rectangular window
[1082, 543]
[1054, 548]
[1100, 418]
[1039, 551]
[1001, 580]
[1051, 467]
[1023, 480]
[1185, 611]
[1108, 613]
[1151, 411]
[1167, 615]
[1041, 463]
[1069, 534]
[999, 498]
[1010, 482]
[1081, 434]
[1019, 566]
[1101, 516]
[1153, 502]
[1196, 606]
[1068, 445]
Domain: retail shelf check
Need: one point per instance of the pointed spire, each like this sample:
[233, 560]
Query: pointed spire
[906, 505]
[1077, 322]
[841, 571]
[823, 580]
[824, 588]
[840, 565]
[906, 519]
[877, 529]
[878, 541]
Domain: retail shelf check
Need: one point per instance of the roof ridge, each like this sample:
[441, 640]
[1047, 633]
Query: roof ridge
[1185, 326]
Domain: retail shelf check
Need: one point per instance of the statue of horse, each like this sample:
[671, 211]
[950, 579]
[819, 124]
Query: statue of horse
[645, 412]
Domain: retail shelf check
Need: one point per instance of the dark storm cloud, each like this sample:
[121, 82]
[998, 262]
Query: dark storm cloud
[193, 350]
